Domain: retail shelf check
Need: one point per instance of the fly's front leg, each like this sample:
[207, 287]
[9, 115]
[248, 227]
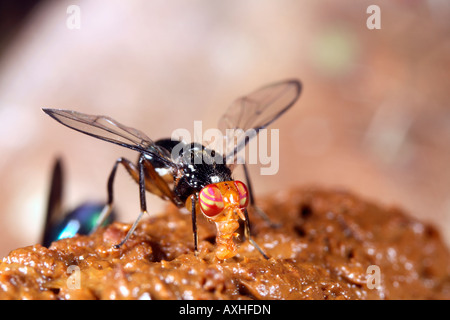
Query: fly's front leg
[248, 236]
[141, 198]
[252, 203]
[194, 199]
[132, 170]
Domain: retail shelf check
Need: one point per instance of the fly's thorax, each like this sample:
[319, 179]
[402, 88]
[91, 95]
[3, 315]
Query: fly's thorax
[195, 172]
[195, 153]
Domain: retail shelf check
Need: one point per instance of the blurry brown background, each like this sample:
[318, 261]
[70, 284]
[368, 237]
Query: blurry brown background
[374, 115]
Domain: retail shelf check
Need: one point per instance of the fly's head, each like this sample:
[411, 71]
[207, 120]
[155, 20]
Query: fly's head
[224, 204]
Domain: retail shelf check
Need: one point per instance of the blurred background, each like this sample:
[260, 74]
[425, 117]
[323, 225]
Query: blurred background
[373, 118]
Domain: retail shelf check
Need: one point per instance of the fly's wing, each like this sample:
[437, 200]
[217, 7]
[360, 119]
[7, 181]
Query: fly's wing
[108, 129]
[54, 205]
[248, 115]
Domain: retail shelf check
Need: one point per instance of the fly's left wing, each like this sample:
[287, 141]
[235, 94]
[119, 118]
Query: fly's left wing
[108, 129]
[249, 114]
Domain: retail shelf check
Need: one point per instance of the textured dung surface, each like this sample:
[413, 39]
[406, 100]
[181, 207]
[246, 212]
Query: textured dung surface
[326, 242]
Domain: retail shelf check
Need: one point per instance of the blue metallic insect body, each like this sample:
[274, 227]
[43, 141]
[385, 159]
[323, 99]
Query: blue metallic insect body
[59, 224]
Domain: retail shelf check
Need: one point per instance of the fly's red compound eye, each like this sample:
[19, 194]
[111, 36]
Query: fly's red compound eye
[211, 201]
[243, 194]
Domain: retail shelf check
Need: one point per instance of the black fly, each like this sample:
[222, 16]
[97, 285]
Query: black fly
[190, 174]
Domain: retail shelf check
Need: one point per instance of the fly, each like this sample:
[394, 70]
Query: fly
[190, 174]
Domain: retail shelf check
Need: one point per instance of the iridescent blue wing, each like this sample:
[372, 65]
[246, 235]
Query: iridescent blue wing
[54, 205]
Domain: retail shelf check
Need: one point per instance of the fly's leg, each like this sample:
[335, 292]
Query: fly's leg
[132, 170]
[194, 199]
[147, 178]
[250, 239]
[141, 198]
[252, 204]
